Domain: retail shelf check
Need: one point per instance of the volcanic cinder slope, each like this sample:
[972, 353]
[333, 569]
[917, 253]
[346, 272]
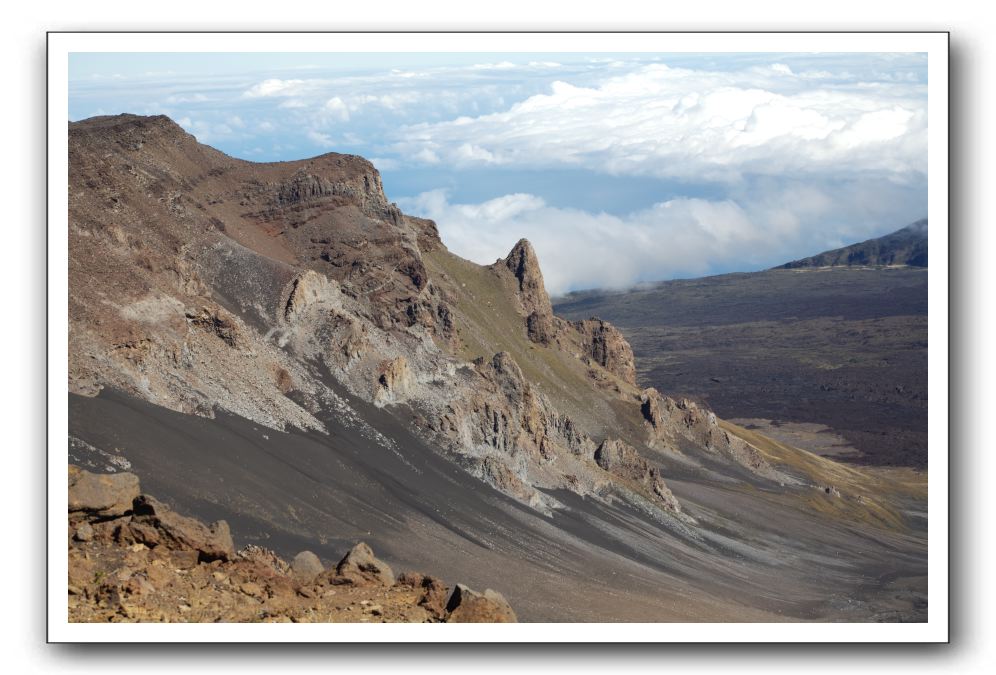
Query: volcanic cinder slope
[279, 346]
[826, 355]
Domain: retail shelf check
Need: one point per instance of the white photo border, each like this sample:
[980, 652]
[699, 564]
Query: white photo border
[934, 44]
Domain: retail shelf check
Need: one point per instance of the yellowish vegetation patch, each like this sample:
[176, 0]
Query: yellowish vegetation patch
[867, 494]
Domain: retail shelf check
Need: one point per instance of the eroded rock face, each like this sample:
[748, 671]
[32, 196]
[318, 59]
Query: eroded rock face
[469, 606]
[620, 458]
[509, 427]
[307, 289]
[607, 347]
[217, 322]
[395, 380]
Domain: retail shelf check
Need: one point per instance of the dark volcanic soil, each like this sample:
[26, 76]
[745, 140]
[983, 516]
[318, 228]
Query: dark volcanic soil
[842, 347]
[588, 562]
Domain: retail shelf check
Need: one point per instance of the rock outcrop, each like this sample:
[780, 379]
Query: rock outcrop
[530, 292]
[94, 495]
[513, 430]
[622, 460]
[395, 380]
[524, 266]
[607, 347]
[668, 419]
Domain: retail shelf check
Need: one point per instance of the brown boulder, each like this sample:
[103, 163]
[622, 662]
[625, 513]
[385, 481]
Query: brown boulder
[154, 524]
[306, 566]
[84, 533]
[469, 606]
[101, 495]
[362, 568]
[434, 592]
[434, 597]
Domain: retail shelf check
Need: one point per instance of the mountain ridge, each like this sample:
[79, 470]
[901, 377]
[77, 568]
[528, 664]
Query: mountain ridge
[905, 246]
[320, 366]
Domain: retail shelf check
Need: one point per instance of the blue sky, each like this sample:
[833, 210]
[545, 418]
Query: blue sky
[620, 168]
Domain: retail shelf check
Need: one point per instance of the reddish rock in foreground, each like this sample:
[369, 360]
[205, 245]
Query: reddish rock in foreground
[148, 563]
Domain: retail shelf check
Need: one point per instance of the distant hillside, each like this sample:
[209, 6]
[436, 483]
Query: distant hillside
[842, 347]
[907, 246]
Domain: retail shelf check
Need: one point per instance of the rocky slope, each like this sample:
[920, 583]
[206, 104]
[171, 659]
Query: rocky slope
[131, 558]
[906, 246]
[201, 282]
[297, 341]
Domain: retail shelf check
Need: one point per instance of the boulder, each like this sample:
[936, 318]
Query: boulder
[410, 579]
[306, 566]
[154, 524]
[434, 597]
[469, 606]
[84, 532]
[362, 568]
[95, 495]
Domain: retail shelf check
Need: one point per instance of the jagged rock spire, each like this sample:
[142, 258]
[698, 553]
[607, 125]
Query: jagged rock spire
[524, 266]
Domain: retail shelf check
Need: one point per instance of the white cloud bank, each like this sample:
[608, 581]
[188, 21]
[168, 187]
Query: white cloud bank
[693, 124]
[679, 237]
